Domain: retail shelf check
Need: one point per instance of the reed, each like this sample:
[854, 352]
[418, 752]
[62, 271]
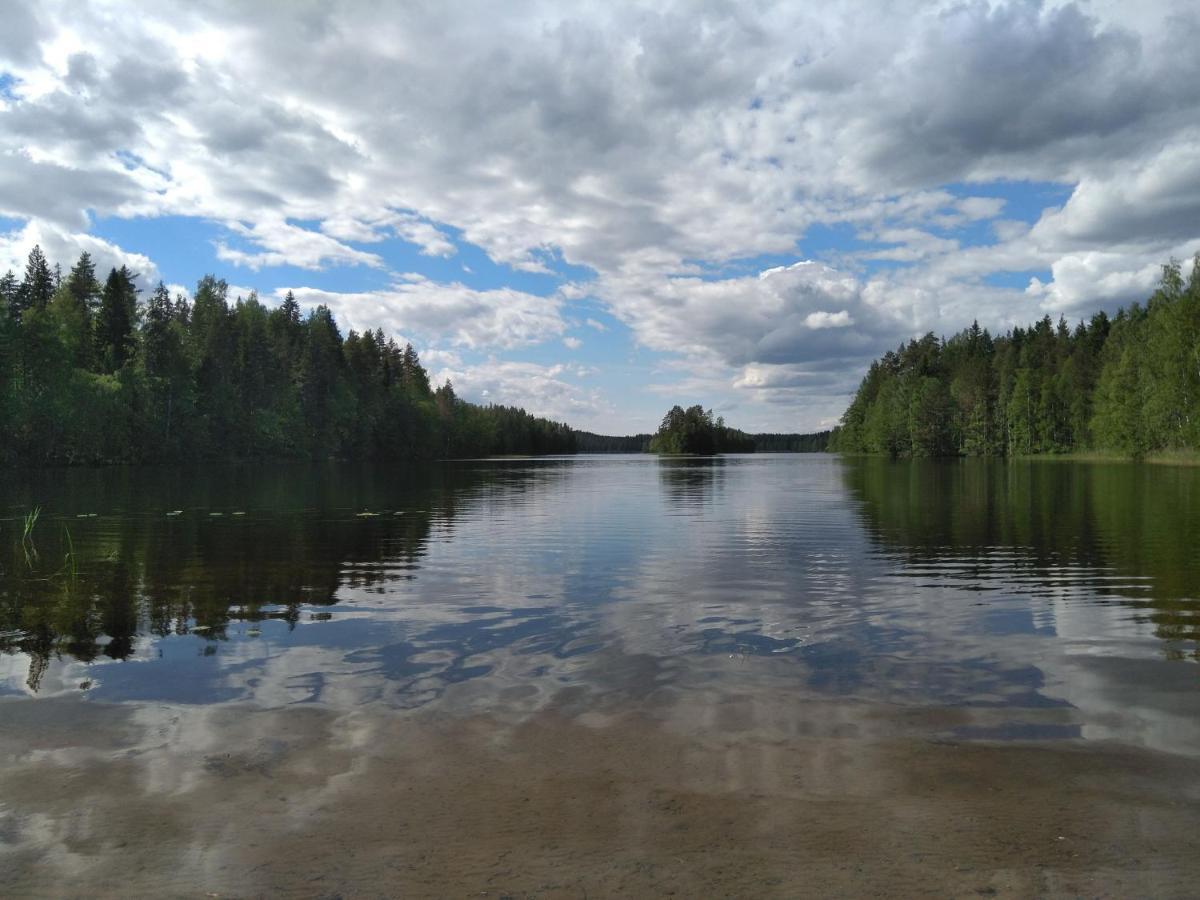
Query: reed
[27, 545]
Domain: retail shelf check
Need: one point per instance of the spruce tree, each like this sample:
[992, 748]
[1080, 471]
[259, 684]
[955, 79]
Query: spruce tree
[9, 289]
[38, 287]
[115, 321]
[82, 283]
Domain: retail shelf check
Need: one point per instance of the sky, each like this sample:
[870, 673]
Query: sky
[599, 210]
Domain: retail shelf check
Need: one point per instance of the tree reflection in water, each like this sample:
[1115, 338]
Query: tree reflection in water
[124, 552]
[1084, 531]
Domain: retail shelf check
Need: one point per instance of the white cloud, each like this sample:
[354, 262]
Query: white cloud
[822, 319]
[572, 343]
[445, 313]
[547, 389]
[286, 244]
[64, 247]
[804, 311]
[652, 144]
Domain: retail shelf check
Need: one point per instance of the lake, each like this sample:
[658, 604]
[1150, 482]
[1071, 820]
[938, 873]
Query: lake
[602, 675]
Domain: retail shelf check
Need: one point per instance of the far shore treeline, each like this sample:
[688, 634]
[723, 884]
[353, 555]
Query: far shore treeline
[95, 373]
[1127, 385]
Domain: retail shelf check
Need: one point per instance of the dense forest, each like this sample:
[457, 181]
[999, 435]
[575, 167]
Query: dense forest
[586, 442]
[695, 431]
[98, 373]
[1129, 384]
[817, 442]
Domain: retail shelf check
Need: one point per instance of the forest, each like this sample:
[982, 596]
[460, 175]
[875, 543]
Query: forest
[100, 373]
[695, 431]
[587, 442]
[818, 442]
[1127, 385]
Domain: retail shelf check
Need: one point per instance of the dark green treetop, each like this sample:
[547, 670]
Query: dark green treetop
[695, 431]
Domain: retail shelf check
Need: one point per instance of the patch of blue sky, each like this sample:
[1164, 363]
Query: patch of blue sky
[131, 161]
[185, 249]
[8, 84]
[1024, 201]
[837, 244]
[1018, 279]
[468, 265]
[829, 242]
[980, 233]
[707, 270]
[8, 224]
[586, 308]
[471, 266]
[595, 350]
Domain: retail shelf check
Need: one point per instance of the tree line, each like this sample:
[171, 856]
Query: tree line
[1127, 384]
[818, 442]
[99, 373]
[588, 442]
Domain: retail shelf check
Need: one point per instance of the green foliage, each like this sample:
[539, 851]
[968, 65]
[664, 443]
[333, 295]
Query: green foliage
[588, 442]
[694, 431]
[817, 442]
[115, 322]
[97, 375]
[1130, 385]
[38, 286]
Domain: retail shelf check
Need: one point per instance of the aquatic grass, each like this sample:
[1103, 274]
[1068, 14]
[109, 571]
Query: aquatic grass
[70, 566]
[31, 519]
[27, 545]
[69, 562]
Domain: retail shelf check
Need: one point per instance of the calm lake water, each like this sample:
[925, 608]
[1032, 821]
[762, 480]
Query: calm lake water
[1046, 602]
[963, 583]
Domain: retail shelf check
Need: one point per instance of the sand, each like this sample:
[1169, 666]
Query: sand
[164, 801]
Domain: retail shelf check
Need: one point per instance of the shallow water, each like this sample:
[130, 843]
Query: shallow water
[739, 605]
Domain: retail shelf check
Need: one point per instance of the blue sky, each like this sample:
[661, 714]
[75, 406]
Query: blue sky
[599, 215]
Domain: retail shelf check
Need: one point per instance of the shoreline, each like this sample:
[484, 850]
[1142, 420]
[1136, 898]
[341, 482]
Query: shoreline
[1185, 458]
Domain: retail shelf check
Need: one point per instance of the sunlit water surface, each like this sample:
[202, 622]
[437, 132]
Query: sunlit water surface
[1049, 600]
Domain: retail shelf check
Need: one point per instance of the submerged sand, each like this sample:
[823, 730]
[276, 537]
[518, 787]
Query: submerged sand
[832, 799]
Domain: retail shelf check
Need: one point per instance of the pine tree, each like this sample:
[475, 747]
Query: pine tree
[82, 283]
[159, 341]
[9, 291]
[116, 319]
[413, 374]
[38, 287]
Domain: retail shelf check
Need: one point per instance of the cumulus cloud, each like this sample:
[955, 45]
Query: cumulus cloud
[64, 247]
[451, 314]
[407, 226]
[798, 313]
[280, 243]
[552, 390]
[1152, 202]
[655, 145]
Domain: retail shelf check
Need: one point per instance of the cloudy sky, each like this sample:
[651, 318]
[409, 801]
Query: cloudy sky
[599, 210]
